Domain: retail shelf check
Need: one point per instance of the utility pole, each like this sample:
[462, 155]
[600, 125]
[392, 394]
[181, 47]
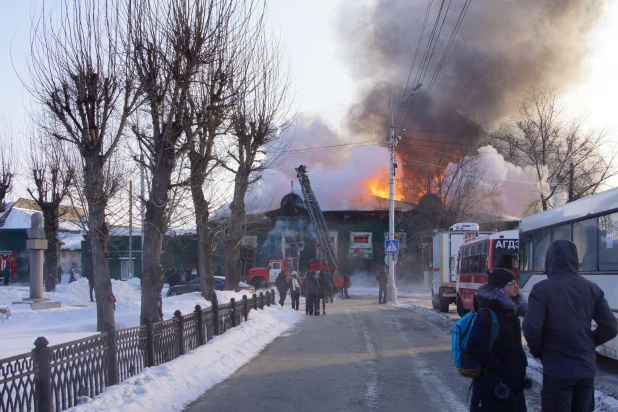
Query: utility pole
[391, 292]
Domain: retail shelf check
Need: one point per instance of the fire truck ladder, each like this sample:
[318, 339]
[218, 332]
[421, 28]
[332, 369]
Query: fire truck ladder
[321, 229]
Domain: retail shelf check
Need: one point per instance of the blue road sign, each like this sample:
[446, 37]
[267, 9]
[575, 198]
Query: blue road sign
[391, 246]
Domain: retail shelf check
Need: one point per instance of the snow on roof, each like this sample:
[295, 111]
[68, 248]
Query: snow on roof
[20, 219]
[71, 241]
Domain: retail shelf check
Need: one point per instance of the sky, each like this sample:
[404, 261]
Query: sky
[328, 80]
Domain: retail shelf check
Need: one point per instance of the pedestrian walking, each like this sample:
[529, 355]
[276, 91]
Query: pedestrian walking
[557, 329]
[311, 295]
[345, 286]
[6, 273]
[331, 285]
[282, 286]
[295, 288]
[72, 278]
[60, 273]
[382, 279]
[322, 292]
[500, 385]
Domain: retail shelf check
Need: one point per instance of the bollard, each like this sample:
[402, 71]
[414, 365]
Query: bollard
[112, 355]
[200, 326]
[233, 305]
[150, 357]
[181, 330]
[245, 307]
[41, 356]
[215, 315]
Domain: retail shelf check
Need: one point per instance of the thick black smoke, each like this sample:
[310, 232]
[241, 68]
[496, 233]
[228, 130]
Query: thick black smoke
[503, 49]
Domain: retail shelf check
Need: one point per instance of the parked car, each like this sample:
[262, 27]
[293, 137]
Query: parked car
[194, 286]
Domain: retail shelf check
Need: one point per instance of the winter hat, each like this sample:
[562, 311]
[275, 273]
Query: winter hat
[294, 274]
[499, 277]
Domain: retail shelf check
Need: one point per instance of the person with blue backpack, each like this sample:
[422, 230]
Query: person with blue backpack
[495, 344]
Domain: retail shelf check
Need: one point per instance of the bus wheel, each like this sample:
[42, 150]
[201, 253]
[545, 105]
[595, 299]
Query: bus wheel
[461, 311]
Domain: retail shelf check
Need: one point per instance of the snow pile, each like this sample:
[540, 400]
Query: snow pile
[171, 386]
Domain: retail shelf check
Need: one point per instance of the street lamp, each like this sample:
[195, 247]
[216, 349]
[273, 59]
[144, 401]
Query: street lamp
[392, 289]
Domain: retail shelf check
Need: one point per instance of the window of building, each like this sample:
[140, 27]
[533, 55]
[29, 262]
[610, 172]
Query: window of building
[608, 235]
[585, 238]
[360, 239]
[125, 270]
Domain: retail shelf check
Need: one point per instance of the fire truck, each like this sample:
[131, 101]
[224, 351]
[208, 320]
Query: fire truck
[445, 249]
[8, 258]
[292, 246]
[475, 256]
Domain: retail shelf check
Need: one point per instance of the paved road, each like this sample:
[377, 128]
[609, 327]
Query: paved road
[360, 356]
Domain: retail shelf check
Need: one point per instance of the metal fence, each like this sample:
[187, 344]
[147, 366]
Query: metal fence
[53, 378]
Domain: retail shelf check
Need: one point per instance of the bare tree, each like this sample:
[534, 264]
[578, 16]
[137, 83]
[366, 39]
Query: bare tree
[258, 124]
[559, 150]
[52, 178]
[7, 166]
[172, 43]
[77, 71]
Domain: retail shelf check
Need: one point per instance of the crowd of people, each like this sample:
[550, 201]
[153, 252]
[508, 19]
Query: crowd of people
[318, 288]
[557, 327]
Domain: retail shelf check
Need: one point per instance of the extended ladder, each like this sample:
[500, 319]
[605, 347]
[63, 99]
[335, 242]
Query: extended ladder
[321, 229]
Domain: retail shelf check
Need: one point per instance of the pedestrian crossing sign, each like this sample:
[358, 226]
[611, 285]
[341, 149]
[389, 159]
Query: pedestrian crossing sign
[391, 246]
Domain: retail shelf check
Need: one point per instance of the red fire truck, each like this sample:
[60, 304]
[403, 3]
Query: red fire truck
[10, 259]
[476, 255]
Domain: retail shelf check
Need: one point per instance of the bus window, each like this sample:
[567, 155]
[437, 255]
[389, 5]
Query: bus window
[541, 241]
[483, 262]
[585, 238]
[526, 255]
[608, 242]
[475, 258]
[466, 261]
[561, 232]
[504, 249]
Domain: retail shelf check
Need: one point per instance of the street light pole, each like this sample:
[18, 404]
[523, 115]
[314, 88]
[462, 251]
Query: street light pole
[391, 294]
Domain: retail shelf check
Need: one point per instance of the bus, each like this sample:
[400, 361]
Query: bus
[476, 255]
[592, 224]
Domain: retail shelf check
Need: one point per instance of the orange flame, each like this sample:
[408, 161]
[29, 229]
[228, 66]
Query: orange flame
[379, 187]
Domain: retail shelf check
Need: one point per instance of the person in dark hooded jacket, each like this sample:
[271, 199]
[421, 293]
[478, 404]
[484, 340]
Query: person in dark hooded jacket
[282, 286]
[322, 292]
[311, 294]
[558, 330]
[500, 385]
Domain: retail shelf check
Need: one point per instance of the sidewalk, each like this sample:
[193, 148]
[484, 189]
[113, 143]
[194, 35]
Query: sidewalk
[360, 356]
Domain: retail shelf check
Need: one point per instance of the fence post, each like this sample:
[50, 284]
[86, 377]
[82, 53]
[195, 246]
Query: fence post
[245, 307]
[233, 305]
[215, 315]
[181, 332]
[261, 300]
[41, 355]
[200, 326]
[255, 305]
[112, 355]
[272, 296]
[267, 298]
[150, 358]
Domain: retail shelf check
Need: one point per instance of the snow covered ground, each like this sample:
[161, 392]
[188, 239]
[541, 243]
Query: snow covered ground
[166, 387]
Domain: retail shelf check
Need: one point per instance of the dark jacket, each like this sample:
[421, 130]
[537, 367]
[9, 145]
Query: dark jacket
[322, 285]
[346, 280]
[282, 283]
[382, 278]
[562, 307]
[6, 273]
[311, 284]
[506, 362]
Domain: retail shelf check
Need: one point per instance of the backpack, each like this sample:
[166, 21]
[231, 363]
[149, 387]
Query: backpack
[466, 366]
